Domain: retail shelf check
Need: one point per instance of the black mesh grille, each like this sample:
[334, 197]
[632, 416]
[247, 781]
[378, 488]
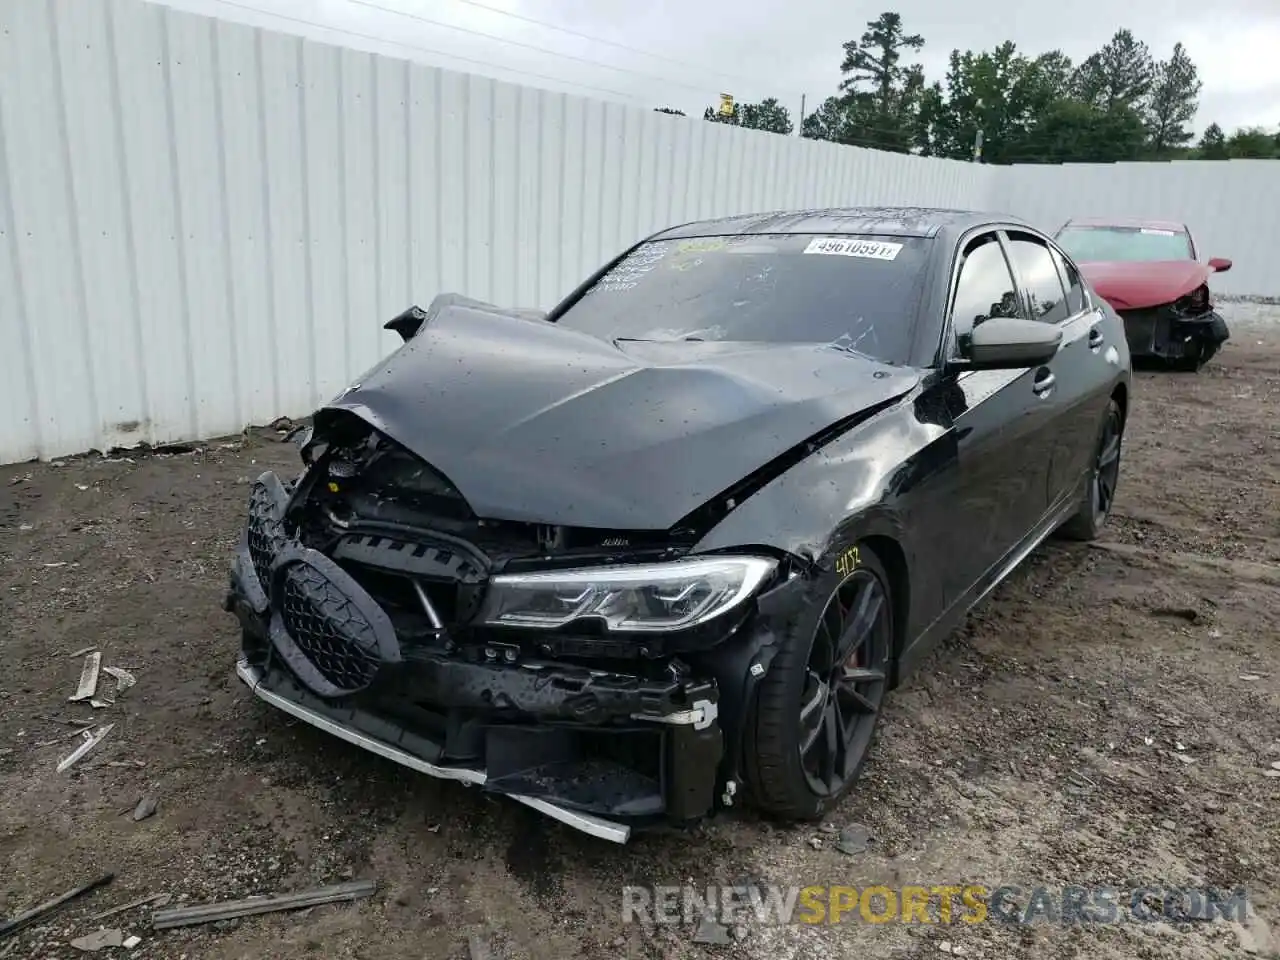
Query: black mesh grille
[265, 532]
[328, 629]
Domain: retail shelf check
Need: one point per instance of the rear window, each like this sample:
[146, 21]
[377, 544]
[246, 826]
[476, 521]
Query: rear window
[1095, 244]
[858, 292]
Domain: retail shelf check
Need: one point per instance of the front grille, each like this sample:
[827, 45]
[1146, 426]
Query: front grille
[265, 532]
[329, 629]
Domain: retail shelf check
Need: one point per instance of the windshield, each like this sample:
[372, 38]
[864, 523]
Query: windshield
[1100, 244]
[859, 292]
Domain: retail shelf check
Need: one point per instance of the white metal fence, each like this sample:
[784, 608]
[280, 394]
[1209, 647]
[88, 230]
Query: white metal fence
[204, 225]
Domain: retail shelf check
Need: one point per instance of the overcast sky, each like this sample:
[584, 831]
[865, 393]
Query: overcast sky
[683, 53]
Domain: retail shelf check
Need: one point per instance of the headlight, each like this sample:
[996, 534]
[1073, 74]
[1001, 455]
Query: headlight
[654, 597]
[1193, 303]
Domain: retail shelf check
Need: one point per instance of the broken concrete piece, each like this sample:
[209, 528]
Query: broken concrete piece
[82, 651]
[212, 912]
[90, 742]
[131, 942]
[93, 942]
[124, 679]
[88, 678]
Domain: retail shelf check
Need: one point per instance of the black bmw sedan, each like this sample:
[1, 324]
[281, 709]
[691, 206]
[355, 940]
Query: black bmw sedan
[665, 548]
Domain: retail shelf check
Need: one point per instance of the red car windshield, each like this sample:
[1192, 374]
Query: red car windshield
[1103, 244]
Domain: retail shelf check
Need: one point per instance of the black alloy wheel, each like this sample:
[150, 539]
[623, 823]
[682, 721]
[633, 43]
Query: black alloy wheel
[845, 681]
[1104, 478]
[816, 709]
[1106, 470]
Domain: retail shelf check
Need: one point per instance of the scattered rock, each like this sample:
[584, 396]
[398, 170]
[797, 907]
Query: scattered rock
[854, 840]
[145, 808]
[815, 842]
[711, 932]
[1168, 825]
[1250, 677]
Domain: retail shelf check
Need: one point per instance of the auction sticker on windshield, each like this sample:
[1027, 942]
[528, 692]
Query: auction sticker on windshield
[852, 247]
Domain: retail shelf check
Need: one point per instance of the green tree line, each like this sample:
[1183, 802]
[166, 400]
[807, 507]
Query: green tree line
[1119, 103]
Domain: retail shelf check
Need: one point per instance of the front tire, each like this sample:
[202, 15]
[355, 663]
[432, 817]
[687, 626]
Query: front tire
[819, 704]
[1100, 492]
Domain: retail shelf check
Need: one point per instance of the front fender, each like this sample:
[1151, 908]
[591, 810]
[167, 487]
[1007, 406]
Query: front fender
[856, 486]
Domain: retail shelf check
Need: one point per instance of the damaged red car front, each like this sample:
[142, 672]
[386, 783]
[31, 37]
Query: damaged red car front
[1149, 272]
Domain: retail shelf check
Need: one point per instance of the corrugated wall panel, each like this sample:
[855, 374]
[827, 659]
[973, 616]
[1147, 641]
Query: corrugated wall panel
[245, 230]
[203, 224]
[394, 205]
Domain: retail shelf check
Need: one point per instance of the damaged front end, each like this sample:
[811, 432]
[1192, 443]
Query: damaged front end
[598, 676]
[1186, 332]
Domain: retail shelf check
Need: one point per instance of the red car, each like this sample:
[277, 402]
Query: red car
[1148, 271]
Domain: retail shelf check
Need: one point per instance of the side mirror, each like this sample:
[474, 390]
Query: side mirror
[1010, 343]
[408, 323]
[1219, 264]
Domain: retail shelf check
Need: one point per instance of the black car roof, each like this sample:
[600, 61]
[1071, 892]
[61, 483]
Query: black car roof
[884, 221]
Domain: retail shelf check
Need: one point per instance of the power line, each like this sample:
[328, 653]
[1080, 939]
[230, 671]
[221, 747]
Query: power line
[528, 46]
[611, 43]
[439, 53]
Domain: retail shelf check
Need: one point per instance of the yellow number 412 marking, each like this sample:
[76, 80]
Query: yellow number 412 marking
[847, 562]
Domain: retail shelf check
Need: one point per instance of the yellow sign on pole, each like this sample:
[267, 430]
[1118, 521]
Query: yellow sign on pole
[726, 104]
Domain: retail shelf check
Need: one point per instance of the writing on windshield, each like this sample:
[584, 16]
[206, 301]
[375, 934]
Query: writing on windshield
[856, 292]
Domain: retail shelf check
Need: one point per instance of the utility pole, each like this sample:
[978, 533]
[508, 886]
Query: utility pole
[977, 138]
[800, 125]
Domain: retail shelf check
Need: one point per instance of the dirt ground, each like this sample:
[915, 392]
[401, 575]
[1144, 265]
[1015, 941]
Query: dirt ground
[1107, 716]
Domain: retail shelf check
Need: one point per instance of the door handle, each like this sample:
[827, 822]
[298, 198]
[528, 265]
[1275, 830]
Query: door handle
[1096, 339]
[1043, 385]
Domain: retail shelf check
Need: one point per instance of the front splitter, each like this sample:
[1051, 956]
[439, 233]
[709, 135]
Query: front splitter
[587, 823]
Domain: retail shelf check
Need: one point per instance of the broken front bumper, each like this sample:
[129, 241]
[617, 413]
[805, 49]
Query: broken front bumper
[601, 750]
[1160, 332]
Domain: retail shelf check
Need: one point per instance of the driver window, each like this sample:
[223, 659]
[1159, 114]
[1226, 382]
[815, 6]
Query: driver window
[985, 288]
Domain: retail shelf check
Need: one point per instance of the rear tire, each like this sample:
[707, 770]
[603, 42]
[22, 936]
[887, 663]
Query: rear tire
[1201, 353]
[1100, 491]
[818, 706]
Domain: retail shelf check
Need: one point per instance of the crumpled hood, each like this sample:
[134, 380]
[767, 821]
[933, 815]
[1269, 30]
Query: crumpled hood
[536, 422]
[1135, 286]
